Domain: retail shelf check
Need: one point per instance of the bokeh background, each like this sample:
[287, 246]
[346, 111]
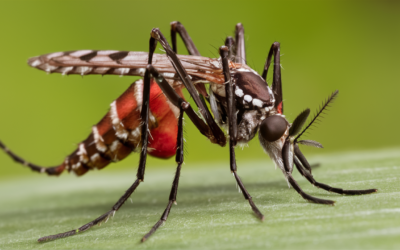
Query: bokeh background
[352, 46]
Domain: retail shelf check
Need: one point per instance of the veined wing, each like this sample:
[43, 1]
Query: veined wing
[106, 62]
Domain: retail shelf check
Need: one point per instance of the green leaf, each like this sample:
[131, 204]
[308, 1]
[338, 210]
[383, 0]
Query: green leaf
[210, 214]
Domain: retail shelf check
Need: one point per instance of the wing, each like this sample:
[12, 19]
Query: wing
[106, 62]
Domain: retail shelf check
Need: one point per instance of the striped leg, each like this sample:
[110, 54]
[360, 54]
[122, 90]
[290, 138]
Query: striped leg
[174, 189]
[157, 36]
[144, 115]
[184, 107]
[177, 27]
[57, 170]
[224, 51]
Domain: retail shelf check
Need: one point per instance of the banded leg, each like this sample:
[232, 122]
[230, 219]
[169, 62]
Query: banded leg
[174, 189]
[277, 81]
[300, 167]
[144, 115]
[218, 135]
[224, 51]
[57, 170]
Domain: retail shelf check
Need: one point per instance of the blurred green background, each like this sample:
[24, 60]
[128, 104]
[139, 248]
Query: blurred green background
[352, 46]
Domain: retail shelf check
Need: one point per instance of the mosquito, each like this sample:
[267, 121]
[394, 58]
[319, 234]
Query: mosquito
[148, 116]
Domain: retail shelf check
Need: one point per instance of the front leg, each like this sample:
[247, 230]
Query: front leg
[224, 52]
[156, 35]
[277, 81]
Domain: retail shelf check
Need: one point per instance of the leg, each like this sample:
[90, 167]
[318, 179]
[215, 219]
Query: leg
[156, 35]
[174, 189]
[277, 82]
[175, 99]
[230, 43]
[240, 49]
[224, 51]
[57, 170]
[144, 115]
[305, 195]
[178, 27]
[300, 167]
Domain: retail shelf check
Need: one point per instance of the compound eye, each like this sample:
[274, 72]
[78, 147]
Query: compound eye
[273, 127]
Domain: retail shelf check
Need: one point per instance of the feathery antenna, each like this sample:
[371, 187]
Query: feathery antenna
[321, 110]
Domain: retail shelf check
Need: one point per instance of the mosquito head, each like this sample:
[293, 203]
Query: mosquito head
[273, 127]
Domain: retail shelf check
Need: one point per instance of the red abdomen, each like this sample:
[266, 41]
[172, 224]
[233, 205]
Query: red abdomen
[119, 132]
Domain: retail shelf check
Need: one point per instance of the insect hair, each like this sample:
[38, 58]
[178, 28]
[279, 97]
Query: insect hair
[321, 110]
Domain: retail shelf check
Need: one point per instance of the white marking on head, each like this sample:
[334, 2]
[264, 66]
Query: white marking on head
[239, 92]
[80, 53]
[267, 109]
[247, 98]
[257, 102]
